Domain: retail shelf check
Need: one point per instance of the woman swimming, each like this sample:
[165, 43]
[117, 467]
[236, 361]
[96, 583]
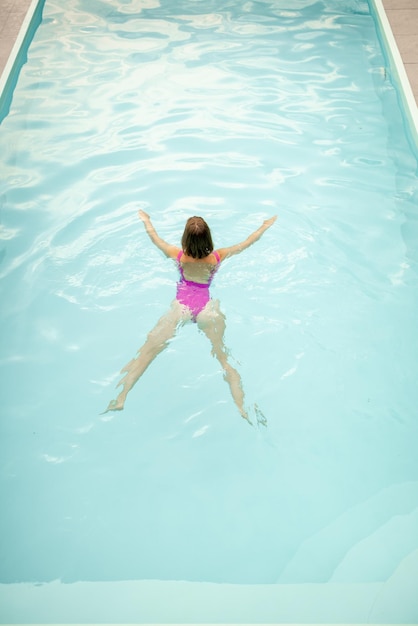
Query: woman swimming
[197, 263]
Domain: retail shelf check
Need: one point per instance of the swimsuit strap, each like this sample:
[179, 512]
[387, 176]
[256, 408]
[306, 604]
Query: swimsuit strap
[180, 254]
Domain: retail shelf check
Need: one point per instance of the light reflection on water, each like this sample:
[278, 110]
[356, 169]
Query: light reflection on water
[234, 111]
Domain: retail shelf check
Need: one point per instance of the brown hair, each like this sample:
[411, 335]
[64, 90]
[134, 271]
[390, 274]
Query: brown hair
[197, 239]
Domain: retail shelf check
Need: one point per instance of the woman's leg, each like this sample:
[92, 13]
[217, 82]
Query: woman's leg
[212, 322]
[155, 343]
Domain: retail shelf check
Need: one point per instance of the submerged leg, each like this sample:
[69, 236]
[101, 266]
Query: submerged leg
[157, 339]
[212, 322]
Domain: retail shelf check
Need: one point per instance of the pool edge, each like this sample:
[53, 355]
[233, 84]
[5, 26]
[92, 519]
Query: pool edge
[10, 73]
[397, 69]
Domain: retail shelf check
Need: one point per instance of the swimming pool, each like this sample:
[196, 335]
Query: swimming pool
[175, 510]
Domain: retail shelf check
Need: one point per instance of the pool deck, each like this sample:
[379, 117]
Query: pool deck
[403, 20]
[402, 16]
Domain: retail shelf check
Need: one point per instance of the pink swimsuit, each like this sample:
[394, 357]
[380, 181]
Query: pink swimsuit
[193, 295]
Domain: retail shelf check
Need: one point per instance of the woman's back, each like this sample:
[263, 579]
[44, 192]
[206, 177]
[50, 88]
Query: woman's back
[198, 270]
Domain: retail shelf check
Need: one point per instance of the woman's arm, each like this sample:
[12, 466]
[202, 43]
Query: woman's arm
[255, 236]
[168, 249]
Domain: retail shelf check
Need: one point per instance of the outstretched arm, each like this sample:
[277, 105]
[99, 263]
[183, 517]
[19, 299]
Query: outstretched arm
[255, 236]
[168, 249]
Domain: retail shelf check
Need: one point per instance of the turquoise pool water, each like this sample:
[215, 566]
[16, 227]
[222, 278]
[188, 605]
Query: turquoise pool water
[235, 111]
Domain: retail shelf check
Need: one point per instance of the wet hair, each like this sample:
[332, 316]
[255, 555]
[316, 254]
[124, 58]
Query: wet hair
[197, 239]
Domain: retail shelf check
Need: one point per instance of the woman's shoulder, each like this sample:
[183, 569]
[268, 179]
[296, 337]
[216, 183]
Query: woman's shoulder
[173, 252]
[221, 254]
[212, 259]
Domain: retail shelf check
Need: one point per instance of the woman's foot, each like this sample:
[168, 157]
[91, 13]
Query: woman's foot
[245, 415]
[114, 405]
[259, 416]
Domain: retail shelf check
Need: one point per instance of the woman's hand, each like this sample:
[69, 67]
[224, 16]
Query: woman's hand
[170, 251]
[270, 221]
[255, 236]
[142, 215]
